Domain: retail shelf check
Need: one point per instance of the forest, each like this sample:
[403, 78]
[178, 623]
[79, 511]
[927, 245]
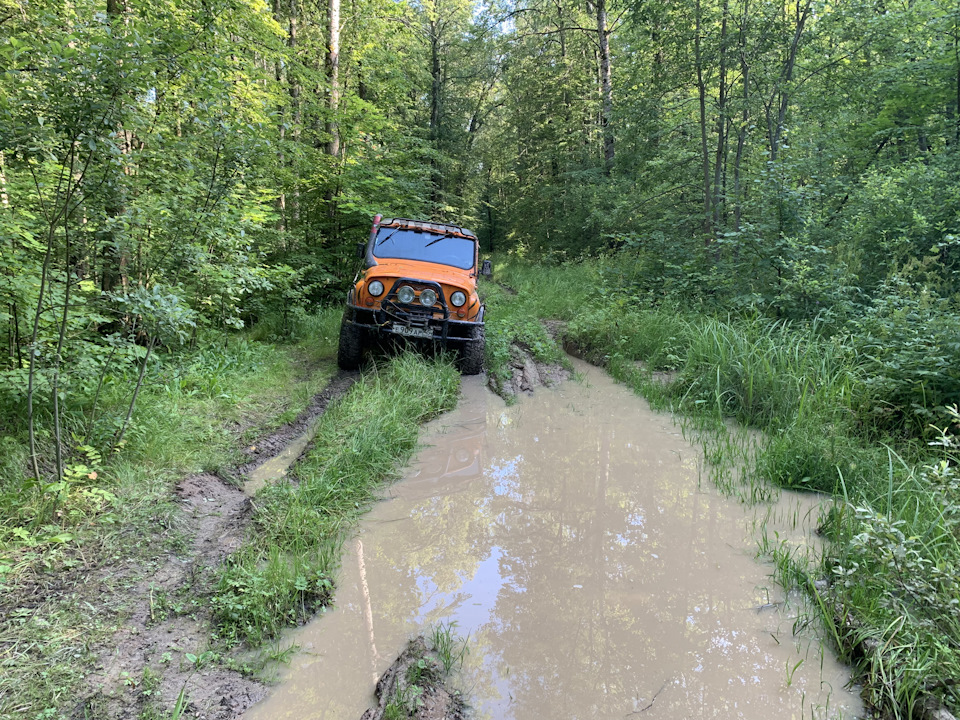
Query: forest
[761, 195]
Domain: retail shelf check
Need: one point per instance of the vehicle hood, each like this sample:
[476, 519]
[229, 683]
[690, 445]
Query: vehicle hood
[415, 269]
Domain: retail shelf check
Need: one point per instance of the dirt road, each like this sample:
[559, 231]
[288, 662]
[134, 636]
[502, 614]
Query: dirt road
[571, 539]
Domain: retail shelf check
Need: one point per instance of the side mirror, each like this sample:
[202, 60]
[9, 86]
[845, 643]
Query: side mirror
[485, 269]
[361, 250]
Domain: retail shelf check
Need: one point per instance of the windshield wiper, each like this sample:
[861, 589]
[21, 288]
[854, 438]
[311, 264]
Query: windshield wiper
[442, 237]
[381, 243]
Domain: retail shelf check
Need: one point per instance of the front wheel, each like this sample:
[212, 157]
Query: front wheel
[471, 355]
[350, 350]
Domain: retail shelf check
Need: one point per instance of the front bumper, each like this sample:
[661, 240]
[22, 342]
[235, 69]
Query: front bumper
[411, 322]
[418, 329]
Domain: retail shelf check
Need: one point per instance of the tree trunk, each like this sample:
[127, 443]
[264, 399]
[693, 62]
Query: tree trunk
[4, 198]
[333, 74]
[58, 355]
[281, 201]
[114, 258]
[436, 101]
[13, 340]
[606, 86]
[293, 83]
[744, 118]
[786, 77]
[702, 93]
[956, 58]
[721, 120]
[741, 142]
[136, 391]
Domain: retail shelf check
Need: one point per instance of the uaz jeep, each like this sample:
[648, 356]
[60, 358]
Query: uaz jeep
[419, 287]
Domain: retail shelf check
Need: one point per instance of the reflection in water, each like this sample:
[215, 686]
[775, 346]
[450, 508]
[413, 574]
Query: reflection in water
[570, 538]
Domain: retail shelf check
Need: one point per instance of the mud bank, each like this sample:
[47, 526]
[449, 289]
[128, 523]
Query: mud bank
[527, 373]
[162, 649]
[571, 539]
[415, 682]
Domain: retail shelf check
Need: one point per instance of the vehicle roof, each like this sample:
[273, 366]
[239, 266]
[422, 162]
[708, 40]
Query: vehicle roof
[430, 227]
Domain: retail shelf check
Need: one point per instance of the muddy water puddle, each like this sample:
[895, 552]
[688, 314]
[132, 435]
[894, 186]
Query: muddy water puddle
[276, 467]
[596, 576]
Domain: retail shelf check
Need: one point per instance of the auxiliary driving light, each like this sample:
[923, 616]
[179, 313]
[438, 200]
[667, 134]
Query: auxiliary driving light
[406, 294]
[427, 297]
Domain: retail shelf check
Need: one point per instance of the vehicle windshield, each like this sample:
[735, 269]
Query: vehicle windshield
[404, 244]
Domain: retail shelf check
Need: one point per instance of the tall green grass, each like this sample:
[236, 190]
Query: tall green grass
[285, 568]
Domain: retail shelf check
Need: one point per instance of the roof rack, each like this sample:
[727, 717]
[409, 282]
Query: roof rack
[430, 227]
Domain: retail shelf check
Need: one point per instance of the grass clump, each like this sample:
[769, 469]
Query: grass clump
[512, 326]
[284, 570]
[418, 679]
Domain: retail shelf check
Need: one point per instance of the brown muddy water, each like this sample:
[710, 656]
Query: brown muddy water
[277, 466]
[571, 539]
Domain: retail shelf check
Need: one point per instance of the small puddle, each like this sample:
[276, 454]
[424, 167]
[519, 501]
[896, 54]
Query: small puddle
[597, 577]
[277, 466]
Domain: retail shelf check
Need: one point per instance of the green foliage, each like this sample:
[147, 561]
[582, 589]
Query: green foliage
[153, 186]
[121, 508]
[908, 343]
[178, 430]
[893, 563]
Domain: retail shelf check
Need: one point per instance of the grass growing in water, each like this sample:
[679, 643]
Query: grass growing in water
[283, 572]
[886, 586]
[422, 672]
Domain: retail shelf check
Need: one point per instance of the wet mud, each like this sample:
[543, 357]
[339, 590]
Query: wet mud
[571, 539]
[278, 442]
[416, 680]
[164, 616]
[527, 373]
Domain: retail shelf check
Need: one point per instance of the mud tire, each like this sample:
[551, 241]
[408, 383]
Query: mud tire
[471, 356]
[352, 345]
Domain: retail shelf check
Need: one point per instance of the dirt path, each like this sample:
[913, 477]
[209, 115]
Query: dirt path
[572, 539]
[162, 649]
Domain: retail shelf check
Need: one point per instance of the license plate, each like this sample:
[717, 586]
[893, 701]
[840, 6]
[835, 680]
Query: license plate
[413, 331]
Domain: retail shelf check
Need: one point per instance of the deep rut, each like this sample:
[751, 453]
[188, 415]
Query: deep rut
[164, 617]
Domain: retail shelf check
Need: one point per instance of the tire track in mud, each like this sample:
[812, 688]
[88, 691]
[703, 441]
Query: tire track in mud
[167, 616]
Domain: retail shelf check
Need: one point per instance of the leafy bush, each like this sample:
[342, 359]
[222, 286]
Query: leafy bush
[893, 564]
[908, 346]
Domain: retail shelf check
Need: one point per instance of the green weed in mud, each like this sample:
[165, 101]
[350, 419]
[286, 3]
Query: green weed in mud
[512, 323]
[429, 665]
[282, 574]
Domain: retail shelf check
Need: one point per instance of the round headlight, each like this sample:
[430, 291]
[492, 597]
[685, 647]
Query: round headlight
[428, 297]
[458, 299]
[406, 294]
[375, 288]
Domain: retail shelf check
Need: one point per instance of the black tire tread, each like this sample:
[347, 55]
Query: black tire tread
[471, 356]
[351, 347]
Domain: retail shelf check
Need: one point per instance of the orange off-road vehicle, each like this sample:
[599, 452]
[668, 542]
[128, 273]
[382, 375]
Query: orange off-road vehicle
[419, 287]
